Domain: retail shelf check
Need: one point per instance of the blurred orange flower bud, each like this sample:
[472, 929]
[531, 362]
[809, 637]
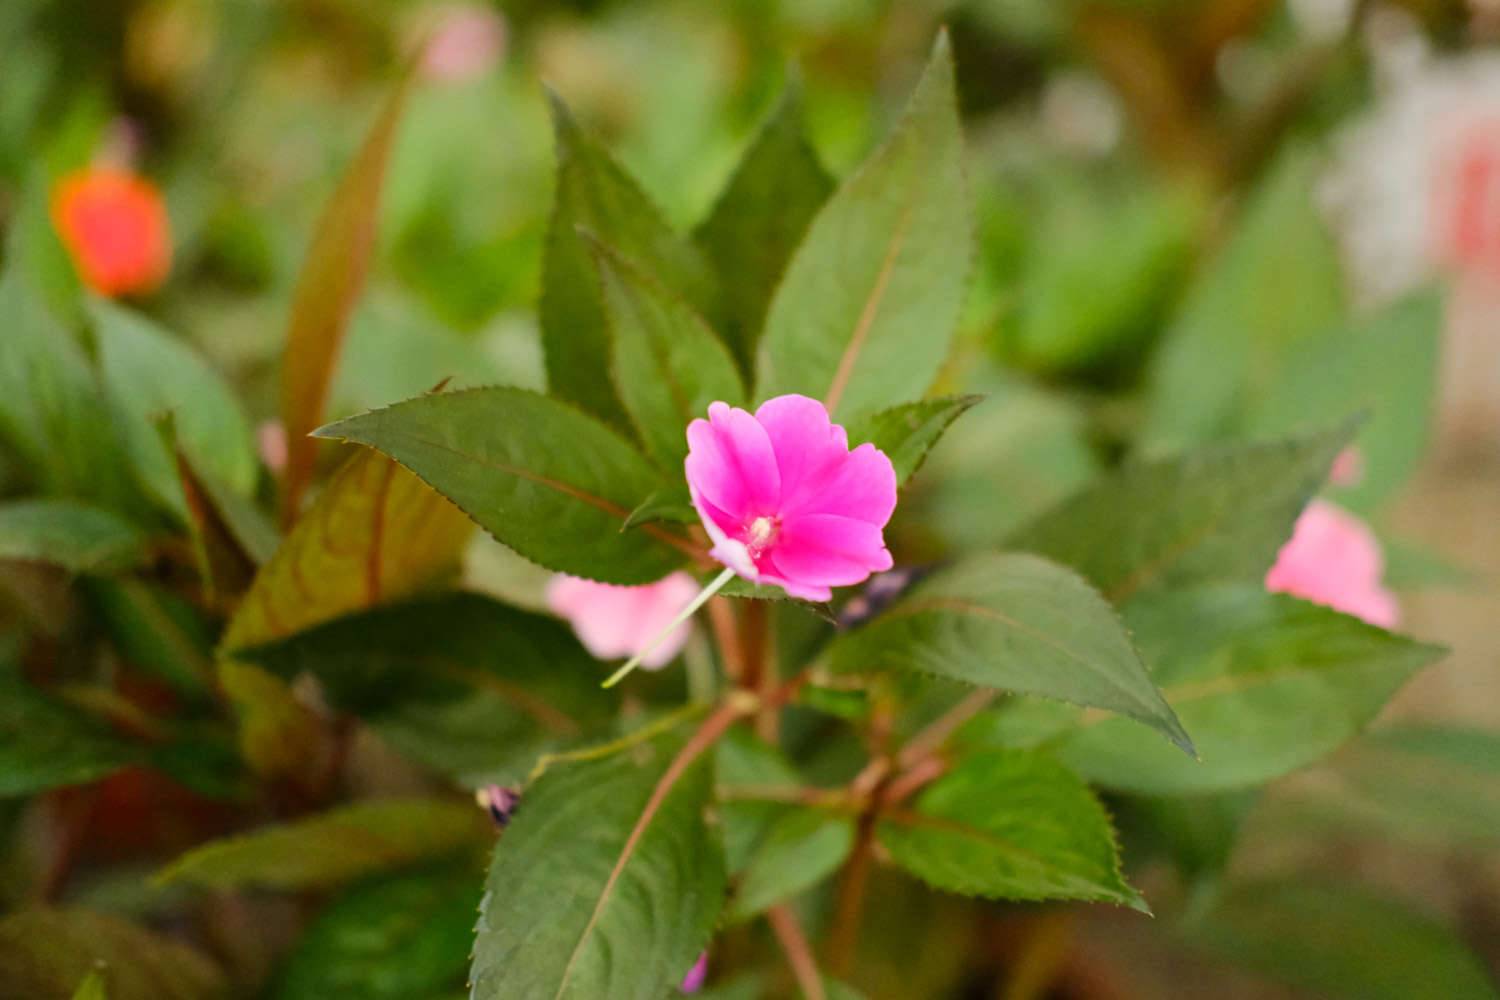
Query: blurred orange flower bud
[114, 224]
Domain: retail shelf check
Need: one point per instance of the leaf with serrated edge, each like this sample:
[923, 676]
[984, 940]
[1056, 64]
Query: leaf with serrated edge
[596, 194]
[1017, 623]
[668, 366]
[1265, 683]
[760, 218]
[334, 847]
[550, 482]
[907, 432]
[1217, 514]
[332, 278]
[1010, 825]
[870, 299]
[583, 901]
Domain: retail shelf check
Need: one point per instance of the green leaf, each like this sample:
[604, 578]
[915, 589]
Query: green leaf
[400, 938]
[1017, 623]
[1386, 366]
[1197, 833]
[907, 432]
[593, 193]
[66, 533]
[668, 503]
[149, 374]
[1341, 941]
[801, 849]
[46, 953]
[334, 847]
[543, 478]
[440, 648]
[92, 987]
[667, 364]
[1432, 785]
[157, 632]
[579, 907]
[375, 533]
[51, 410]
[1009, 825]
[332, 277]
[45, 744]
[1219, 514]
[1265, 683]
[1274, 286]
[871, 297]
[760, 218]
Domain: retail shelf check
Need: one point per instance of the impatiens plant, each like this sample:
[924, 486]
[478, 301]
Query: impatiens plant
[714, 487]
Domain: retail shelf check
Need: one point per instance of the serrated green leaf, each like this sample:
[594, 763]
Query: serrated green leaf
[437, 649]
[543, 478]
[149, 374]
[1386, 366]
[1341, 941]
[70, 534]
[1218, 514]
[801, 849]
[1017, 623]
[871, 297]
[760, 218]
[46, 953]
[1265, 683]
[576, 907]
[47, 744]
[668, 366]
[595, 194]
[907, 432]
[399, 938]
[334, 847]
[332, 277]
[1232, 335]
[1009, 825]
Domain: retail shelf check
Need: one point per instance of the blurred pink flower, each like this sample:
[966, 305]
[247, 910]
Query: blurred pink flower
[270, 441]
[464, 41]
[1333, 559]
[613, 621]
[785, 500]
[693, 981]
[1348, 468]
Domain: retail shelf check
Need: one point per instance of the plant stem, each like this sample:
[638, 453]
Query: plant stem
[714, 586]
[798, 952]
[727, 638]
[760, 667]
[843, 936]
[929, 740]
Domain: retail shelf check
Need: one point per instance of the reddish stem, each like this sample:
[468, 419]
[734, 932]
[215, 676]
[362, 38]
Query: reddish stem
[799, 953]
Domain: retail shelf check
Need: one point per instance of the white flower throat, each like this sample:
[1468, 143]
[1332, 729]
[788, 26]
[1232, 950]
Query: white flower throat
[763, 531]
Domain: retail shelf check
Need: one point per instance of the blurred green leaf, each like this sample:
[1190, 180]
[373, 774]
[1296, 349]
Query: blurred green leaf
[157, 632]
[801, 849]
[46, 953]
[759, 220]
[399, 938]
[1265, 683]
[92, 987]
[595, 194]
[907, 432]
[334, 847]
[1340, 941]
[66, 533]
[638, 909]
[1197, 833]
[1009, 825]
[148, 374]
[1219, 514]
[375, 533]
[1273, 287]
[47, 744]
[668, 366]
[333, 275]
[496, 453]
[1386, 366]
[864, 314]
[1017, 623]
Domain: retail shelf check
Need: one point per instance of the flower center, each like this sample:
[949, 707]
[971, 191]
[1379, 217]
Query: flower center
[763, 531]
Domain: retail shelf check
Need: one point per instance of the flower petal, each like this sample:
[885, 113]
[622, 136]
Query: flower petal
[862, 486]
[807, 443]
[730, 462]
[829, 550]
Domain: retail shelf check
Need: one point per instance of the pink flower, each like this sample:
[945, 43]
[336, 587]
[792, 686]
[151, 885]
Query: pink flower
[270, 441]
[613, 621]
[693, 981]
[785, 500]
[1333, 559]
[1348, 468]
[466, 41]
